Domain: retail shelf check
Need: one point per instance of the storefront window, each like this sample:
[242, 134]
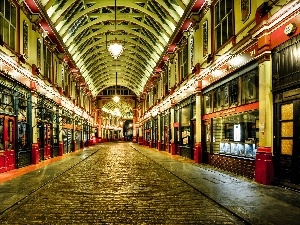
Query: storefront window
[250, 87]
[8, 22]
[208, 103]
[234, 93]
[2, 133]
[236, 134]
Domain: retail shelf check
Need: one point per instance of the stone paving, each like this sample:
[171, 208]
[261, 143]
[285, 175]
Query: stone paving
[255, 203]
[114, 185]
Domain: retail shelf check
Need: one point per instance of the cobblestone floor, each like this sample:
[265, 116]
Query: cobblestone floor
[117, 185]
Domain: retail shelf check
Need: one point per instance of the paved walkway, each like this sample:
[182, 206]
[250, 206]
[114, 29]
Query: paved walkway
[97, 171]
[256, 203]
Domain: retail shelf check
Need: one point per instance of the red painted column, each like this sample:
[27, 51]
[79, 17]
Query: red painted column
[35, 156]
[173, 148]
[2, 162]
[264, 171]
[47, 152]
[150, 144]
[140, 140]
[134, 139]
[60, 148]
[198, 153]
[159, 145]
[74, 146]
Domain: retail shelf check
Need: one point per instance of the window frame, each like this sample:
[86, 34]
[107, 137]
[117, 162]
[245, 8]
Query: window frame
[219, 21]
[11, 21]
[47, 59]
[183, 62]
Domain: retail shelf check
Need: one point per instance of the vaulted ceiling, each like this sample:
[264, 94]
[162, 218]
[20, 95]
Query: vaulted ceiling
[145, 26]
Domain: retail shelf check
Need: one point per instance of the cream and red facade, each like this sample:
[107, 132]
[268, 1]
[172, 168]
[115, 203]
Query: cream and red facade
[43, 112]
[245, 92]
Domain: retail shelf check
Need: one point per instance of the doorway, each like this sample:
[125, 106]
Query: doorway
[287, 142]
[7, 143]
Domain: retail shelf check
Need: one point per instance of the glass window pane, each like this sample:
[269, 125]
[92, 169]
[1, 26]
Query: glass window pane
[5, 31]
[1, 134]
[230, 26]
[217, 18]
[287, 112]
[12, 40]
[222, 9]
[228, 6]
[286, 147]
[1, 25]
[287, 129]
[224, 31]
[10, 134]
[218, 36]
[13, 16]
[2, 7]
[7, 10]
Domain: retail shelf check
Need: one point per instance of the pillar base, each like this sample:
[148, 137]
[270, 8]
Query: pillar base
[173, 148]
[198, 156]
[74, 146]
[150, 144]
[140, 140]
[60, 149]
[264, 171]
[159, 146]
[47, 152]
[35, 155]
[134, 139]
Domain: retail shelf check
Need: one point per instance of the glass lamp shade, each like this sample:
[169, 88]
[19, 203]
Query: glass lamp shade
[115, 49]
[116, 98]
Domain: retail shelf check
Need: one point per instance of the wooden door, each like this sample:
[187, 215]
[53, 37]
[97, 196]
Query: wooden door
[287, 142]
[7, 143]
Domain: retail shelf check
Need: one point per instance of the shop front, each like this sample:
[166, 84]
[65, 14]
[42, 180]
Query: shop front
[15, 129]
[67, 130]
[7, 130]
[286, 92]
[78, 133]
[231, 122]
[86, 134]
[55, 145]
[24, 130]
[176, 130]
[154, 132]
[147, 133]
[46, 117]
[165, 130]
[187, 126]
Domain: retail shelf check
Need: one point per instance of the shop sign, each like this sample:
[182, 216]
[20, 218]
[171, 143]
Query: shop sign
[225, 112]
[239, 109]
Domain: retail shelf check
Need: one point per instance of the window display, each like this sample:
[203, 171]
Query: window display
[236, 134]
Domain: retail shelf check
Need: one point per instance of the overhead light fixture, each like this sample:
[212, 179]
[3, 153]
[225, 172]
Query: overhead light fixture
[116, 48]
[116, 98]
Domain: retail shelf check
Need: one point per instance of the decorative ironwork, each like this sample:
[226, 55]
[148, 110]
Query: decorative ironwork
[192, 50]
[205, 37]
[245, 9]
[25, 38]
